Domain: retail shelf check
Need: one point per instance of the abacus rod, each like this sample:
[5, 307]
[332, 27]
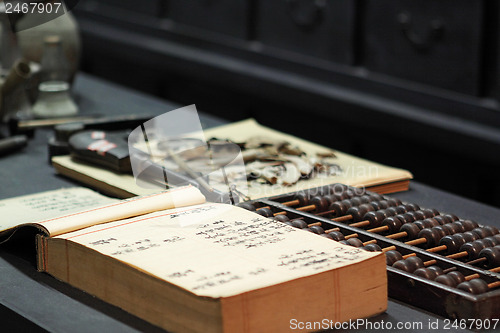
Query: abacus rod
[291, 202]
[342, 218]
[331, 230]
[493, 284]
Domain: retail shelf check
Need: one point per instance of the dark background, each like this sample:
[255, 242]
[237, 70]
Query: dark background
[412, 84]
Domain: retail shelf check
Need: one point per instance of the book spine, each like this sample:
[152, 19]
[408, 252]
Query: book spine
[41, 248]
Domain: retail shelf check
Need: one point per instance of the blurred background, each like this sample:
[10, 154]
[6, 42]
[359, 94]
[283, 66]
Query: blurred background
[411, 84]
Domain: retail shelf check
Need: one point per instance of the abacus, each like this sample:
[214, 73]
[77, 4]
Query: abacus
[435, 260]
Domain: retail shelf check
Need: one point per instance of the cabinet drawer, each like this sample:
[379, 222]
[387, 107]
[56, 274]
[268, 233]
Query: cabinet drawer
[318, 28]
[228, 17]
[428, 41]
[148, 7]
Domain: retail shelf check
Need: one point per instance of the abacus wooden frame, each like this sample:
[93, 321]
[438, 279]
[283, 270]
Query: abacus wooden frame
[407, 287]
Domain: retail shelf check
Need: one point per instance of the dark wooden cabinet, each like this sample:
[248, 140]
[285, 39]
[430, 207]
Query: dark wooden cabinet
[433, 42]
[145, 7]
[315, 28]
[226, 17]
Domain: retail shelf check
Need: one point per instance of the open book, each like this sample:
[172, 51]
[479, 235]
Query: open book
[355, 171]
[186, 265]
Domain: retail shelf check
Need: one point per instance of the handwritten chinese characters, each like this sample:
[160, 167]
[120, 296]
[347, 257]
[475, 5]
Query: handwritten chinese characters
[217, 250]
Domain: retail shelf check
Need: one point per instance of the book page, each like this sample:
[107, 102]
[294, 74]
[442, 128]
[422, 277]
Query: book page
[46, 205]
[217, 250]
[355, 171]
[179, 197]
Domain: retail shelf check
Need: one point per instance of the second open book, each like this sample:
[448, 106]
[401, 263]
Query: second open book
[186, 265]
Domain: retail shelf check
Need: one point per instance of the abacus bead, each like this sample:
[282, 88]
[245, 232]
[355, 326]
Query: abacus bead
[421, 224]
[438, 270]
[430, 212]
[289, 223]
[411, 230]
[317, 229]
[489, 242]
[451, 228]
[392, 256]
[452, 242]
[457, 276]
[320, 202]
[354, 242]
[301, 224]
[470, 236]
[482, 232]
[340, 196]
[409, 264]
[426, 273]
[303, 199]
[378, 204]
[330, 198]
[432, 236]
[441, 229]
[473, 248]
[406, 217]
[337, 235]
[265, 212]
[356, 201]
[393, 202]
[460, 225]
[441, 219]
[468, 224]
[474, 286]
[327, 236]
[391, 211]
[281, 218]
[415, 262]
[430, 222]
[339, 207]
[417, 215]
[323, 191]
[393, 223]
[372, 247]
[375, 196]
[350, 193]
[452, 217]
[492, 255]
[413, 206]
[247, 206]
[357, 213]
[494, 230]
[375, 218]
[446, 280]
[401, 209]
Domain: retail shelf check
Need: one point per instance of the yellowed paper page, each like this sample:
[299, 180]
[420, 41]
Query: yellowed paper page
[179, 197]
[41, 206]
[217, 250]
[355, 171]
[111, 182]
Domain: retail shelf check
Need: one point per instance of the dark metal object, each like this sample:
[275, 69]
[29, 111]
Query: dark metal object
[19, 124]
[12, 144]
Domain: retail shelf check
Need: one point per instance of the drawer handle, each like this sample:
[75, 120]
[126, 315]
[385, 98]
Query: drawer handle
[421, 42]
[307, 14]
